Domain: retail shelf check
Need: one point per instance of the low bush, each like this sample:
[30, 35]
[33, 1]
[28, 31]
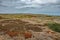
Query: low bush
[27, 35]
[54, 26]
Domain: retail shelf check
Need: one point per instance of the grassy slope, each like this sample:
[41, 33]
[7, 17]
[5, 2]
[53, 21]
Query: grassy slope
[55, 27]
[27, 16]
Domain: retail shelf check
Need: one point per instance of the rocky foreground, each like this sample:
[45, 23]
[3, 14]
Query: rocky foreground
[14, 29]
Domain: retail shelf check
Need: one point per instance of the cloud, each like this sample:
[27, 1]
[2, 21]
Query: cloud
[38, 1]
[34, 3]
[30, 6]
[27, 2]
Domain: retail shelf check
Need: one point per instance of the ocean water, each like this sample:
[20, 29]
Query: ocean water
[30, 6]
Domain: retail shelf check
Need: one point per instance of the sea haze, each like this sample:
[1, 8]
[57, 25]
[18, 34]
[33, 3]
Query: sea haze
[50, 7]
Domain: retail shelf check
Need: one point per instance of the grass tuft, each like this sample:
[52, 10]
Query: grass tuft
[54, 26]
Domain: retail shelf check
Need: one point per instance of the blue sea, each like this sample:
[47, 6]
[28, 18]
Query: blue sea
[11, 7]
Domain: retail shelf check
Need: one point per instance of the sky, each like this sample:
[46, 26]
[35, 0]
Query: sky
[30, 6]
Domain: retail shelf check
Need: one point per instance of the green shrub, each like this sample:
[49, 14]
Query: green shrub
[54, 26]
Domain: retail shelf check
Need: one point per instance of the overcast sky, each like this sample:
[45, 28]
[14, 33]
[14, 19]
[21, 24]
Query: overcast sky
[28, 2]
[18, 6]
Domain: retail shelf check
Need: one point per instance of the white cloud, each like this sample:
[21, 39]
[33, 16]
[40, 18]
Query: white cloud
[52, 1]
[38, 1]
[27, 3]
[34, 3]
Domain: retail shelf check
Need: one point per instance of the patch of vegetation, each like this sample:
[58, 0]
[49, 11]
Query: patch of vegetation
[1, 17]
[54, 26]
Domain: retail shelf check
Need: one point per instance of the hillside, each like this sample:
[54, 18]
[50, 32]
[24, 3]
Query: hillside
[29, 27]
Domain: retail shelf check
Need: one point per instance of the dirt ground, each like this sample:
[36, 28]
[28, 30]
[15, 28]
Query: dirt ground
[27, 29]
[14, 29]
